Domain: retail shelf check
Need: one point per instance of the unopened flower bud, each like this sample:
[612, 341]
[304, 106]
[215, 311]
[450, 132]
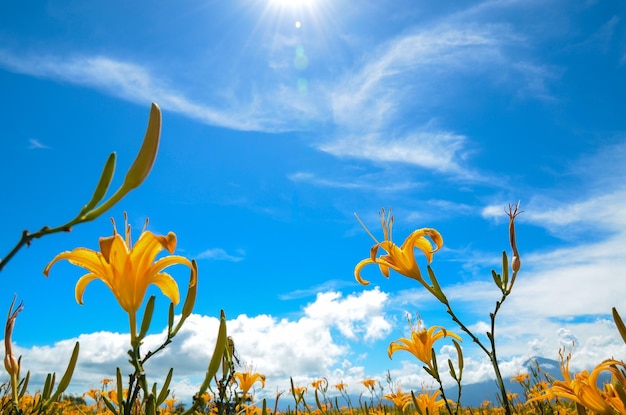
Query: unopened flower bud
[147, 154]
[513, 212]
[516, 264]
[11, 364]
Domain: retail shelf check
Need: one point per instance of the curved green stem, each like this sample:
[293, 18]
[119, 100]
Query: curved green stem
[135, 175]
[490, 353]
[435, 374]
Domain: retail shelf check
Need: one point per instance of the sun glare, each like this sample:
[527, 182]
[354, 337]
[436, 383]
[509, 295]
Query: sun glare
[293, 3]
[294, 6]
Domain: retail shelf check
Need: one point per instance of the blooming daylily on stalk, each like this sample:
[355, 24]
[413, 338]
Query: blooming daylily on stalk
[340, 386]
[369, 383]
[320, 384]
[245, 380]
[400, 399]
[583, 388]
[428, 403]
[421, 343]
[128, 270]
[401, 258]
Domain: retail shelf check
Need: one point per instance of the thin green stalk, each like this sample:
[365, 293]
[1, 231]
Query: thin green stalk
[490, 353]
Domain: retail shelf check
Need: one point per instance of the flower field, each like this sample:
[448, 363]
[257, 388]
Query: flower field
[128, 269]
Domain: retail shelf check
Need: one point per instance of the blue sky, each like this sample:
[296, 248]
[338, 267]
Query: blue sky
[281, 119]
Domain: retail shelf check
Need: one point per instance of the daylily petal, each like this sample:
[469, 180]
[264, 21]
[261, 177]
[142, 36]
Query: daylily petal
[169, 260]
[82, 284]
[82, 257]
[148, 247]
[384, 269]
[357, 270]
[168, 286]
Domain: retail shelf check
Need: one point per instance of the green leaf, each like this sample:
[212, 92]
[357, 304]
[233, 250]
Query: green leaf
[459, 352]
[47, 386]
[150, 406]
[505, 270]
[317, 401]
[419, 411]
[142, 165]
[24, 384]
[165, 389]
[433, 358]
[619, 323]
[430, 372]
[67, 376]
[103, 184]
[120, 387]
[496, 278]
[436, 289]
[452, 371]
[218, 353]
[109, 404]
[147, 318]
[170, 319]
[190, 299]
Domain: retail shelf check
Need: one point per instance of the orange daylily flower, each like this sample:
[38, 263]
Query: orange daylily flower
[320, 384]
[521, 378]
[169, 404]
[421, 342]
[340, 386]
[400, 399]
[428, 403]
[128, 270]
[246, 380]
[298, 393]
[400, 259]
[583, 388]
[369, 383]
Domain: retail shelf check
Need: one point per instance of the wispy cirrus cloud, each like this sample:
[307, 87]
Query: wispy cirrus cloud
[438, 151]
[370, 102]
[36, 144]
[594, 204]
[219, 254]
[364, 182]
[365, 103]
[137, 83]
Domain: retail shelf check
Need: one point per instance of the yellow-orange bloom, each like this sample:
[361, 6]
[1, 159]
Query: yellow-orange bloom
[128, 270]
[298, 393]
[93, 394]
[428, 403]
[583, 388]
[369, 383]
[521, 378]
[400, 259]
[421, 342]
[112, 395]
[251, 410]
[246, 380]
[400, 399]
[320, 384]
[340, 386]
